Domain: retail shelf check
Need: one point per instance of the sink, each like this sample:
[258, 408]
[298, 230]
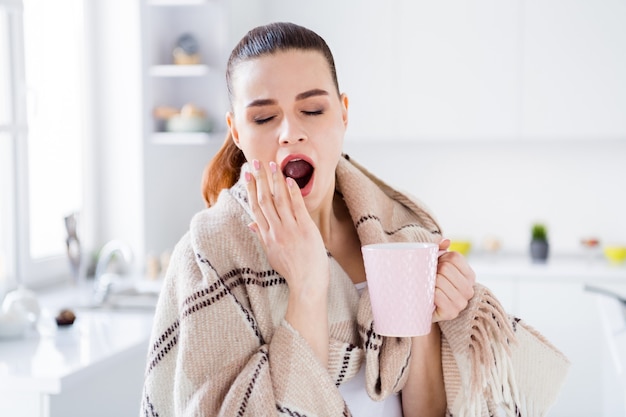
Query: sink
[127, 294]
[123, 301]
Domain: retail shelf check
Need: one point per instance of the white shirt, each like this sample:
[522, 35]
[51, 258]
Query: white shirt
[355, 395]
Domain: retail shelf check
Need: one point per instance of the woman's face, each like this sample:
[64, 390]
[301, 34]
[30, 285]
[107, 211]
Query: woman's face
[286, 109]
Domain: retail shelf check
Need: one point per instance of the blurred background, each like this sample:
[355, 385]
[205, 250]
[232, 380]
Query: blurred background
[499, 115]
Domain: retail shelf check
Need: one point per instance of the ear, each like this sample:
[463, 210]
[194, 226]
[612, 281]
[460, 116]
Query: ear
[344, 109]
[230, 122]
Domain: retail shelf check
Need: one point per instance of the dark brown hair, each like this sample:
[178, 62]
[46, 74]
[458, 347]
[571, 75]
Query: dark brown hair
[223, 170]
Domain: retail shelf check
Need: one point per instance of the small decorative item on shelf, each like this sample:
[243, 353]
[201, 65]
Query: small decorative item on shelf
[186, 51]
[539, 247]
[161, 116]
[190, 118]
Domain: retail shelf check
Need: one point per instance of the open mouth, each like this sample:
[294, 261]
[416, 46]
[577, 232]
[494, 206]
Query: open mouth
[300, 170]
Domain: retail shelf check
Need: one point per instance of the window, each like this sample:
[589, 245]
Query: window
[41, 135]
[10, 19]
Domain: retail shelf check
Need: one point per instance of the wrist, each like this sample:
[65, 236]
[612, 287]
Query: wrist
[307, 313]
[429, 341]
[311, 286]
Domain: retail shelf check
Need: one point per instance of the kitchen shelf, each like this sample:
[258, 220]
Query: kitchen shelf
[173, 162]
[186, 138]
[179, 70]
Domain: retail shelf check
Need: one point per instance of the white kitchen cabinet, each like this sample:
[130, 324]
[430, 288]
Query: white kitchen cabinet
[567, 316]
[479, 70]
[507, 70]
[113, 388]
[173, 162]
[420, 70]
[456, 69]
[574, 66]
[95, 367]
[552, 299]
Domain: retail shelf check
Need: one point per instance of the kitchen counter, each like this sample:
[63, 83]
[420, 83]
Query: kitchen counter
[102, 355]
[571, 268]
[555, 299]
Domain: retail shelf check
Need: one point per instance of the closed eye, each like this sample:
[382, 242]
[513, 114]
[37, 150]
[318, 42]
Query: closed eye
[264, 120]
[313, 113]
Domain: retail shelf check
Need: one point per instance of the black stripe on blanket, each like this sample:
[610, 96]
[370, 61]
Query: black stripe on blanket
[345, 363]
[160, 348]
[369, 217]
[244, 403]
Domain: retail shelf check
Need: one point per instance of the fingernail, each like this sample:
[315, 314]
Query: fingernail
[273, 167]
[251, 227]
[290, 182]
[257, 164]
[247, 176]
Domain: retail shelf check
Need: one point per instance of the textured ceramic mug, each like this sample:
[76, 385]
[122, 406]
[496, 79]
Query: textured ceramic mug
[401, 282]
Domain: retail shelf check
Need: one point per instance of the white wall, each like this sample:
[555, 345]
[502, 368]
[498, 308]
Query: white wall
[491, 188]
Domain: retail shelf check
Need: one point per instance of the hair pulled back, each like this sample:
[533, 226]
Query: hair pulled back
[224, 168]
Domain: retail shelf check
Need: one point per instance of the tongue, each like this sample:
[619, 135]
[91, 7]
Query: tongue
[300, 171]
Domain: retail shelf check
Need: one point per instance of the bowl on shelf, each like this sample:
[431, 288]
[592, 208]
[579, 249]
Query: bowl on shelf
[616, 254]
[461, 246]
[180, 123]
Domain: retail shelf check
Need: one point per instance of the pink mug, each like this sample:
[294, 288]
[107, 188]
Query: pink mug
[401, 281]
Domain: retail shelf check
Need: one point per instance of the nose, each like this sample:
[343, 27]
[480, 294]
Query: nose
[291, 131]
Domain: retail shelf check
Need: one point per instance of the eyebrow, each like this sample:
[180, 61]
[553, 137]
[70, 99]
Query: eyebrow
[311, 93]
[302, 96]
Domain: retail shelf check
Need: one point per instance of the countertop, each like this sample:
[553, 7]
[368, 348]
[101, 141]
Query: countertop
[571, 268]
[49, 362]
[589, 273]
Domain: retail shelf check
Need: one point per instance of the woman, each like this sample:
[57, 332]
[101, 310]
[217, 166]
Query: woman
[265, 309]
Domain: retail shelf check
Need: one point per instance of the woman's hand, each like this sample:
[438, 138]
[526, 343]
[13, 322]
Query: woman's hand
[295, 249]
[454, 286]
[424, 392]
[291, 240]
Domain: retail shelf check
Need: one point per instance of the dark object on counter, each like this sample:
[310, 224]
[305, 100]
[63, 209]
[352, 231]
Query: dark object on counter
[65, 317]
[539, 247]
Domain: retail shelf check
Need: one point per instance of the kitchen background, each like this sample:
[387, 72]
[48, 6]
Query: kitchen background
[497, 114]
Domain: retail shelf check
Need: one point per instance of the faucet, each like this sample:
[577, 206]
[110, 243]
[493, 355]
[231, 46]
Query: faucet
[102, 280]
